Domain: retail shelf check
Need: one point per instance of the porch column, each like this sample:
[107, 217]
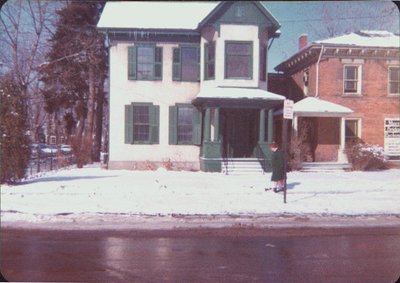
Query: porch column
[341, 154]
[207, 125]
[262, 126]
[216, 124]
[295, 125]
[270, 125]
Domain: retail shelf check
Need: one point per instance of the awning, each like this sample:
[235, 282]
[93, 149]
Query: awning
[236, 97]
[315, 107]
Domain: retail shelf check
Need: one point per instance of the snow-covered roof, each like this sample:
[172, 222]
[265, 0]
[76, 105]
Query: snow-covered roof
[154, 14]
[239, 93]
[366, 38]
[315, 107]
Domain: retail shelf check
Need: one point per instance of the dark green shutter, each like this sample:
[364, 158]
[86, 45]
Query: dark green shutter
[129, 124]
[158, 63]
[173, 124]
[176, 65]
[131, 63]
[154, 113]
[196, 126]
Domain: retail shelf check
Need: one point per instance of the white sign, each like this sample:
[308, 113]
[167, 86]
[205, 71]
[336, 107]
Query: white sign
[288, 109]
[392, 136]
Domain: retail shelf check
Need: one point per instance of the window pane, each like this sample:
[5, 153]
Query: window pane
[351, 73]
[210, 71]
[238, 49]
[237, 67]
[141, 123]
[185, 121]
[190, 66]
[394, 74]
[351, 130]
[394, 87]
[145, 61]
[350, 87]
[238, 60]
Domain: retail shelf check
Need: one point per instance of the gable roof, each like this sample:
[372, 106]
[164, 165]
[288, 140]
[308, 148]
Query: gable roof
[365, 38]
[154, 14]
[174, 15]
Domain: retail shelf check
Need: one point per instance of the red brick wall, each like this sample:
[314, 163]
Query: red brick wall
[372, 106]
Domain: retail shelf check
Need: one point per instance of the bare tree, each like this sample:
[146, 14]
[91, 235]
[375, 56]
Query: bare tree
[341, 17]
[25, 26]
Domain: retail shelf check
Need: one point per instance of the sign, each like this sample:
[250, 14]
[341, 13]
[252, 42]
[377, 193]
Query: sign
[288, 109]
[392, 136]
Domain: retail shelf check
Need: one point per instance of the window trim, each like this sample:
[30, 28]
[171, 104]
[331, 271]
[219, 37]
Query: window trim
[393, 94]
[359, 80]
[251, 43]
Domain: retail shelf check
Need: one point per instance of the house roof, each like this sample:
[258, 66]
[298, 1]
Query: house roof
[171, 15]
[360, 44]
[316, 107]
[367, 38]
[154, 14]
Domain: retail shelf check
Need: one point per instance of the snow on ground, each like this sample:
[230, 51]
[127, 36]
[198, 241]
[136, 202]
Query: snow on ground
[93, 190]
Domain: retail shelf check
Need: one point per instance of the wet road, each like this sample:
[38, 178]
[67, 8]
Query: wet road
[207, 255]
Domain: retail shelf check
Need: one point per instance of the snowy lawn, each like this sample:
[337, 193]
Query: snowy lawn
[95, 190]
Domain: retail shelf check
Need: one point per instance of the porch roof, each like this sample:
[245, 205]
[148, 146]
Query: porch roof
[316, 107]
[237, 96]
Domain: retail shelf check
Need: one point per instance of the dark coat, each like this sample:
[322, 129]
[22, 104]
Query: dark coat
[277, 163]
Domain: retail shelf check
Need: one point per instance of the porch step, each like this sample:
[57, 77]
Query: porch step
[325, 167]
[238, 166]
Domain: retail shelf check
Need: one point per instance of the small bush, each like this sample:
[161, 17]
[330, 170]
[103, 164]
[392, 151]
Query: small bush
[366, 157]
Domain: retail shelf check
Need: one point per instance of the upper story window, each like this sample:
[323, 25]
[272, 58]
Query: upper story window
[394, 80]
[186, 63]
[352, 79]
[144, 62]
[263, 63]
[209, 61]
[238, 60]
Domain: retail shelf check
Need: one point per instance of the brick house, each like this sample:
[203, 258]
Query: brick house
[350, 87]
[188, 84]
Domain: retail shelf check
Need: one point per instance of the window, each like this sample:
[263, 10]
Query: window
[238, 60]
[352, 80]
[209, 58]
[352, 131]
[394, 80]
[184, 124]
[186, 64]
[263, 63]
[141, 123]
[144, 62]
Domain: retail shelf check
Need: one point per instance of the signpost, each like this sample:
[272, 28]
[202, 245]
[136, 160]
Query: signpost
[287, 115]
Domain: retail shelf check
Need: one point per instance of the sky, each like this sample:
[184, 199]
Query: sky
[315, 17]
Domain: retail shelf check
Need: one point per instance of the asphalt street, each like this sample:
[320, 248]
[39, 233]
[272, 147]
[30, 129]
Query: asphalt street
[242, 254]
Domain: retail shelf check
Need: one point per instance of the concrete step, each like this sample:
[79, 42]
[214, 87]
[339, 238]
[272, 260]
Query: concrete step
[325, 167]
[242, 166]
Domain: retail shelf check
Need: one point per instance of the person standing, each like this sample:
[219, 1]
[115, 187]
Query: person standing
[278, 169]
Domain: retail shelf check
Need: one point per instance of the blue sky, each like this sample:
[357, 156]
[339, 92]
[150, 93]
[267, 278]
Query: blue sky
[314, 17]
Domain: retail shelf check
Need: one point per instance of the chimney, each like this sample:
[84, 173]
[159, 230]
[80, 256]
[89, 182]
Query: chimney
[303, 41]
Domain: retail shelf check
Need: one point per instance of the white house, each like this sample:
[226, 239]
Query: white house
[188, 83]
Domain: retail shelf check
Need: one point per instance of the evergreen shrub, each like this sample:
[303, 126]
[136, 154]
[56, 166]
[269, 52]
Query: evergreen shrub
[366, 157]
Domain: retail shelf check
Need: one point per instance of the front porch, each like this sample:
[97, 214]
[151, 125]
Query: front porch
[237, 128]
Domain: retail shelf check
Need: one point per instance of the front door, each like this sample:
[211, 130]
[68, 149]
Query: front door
[239, 131]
